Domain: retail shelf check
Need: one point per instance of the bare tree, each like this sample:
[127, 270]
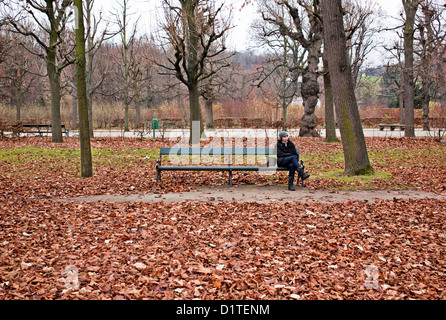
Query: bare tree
[212, 89]
[310, 37]
[94, 40]
[430, 38]
[359, 19]
[56, 14]
[128, 38]
[19, 72]
[84, 130]
[353, 142]
[410, 9]
[286, 62]
[192, 28]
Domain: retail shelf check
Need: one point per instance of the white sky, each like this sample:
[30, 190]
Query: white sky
[242, 18]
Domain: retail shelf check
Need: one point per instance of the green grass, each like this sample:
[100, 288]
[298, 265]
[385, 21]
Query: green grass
[355, 182]
[33, 154]
[119, 159]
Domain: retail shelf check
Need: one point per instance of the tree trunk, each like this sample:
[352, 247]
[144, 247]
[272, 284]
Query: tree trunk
[194, 96]
[310, 90]
[84, 128]
[54, 78]
[427, 47]
[425, 99]
[353, 142]
[196, 123]
[19, 95]
[285, 115]
[410, 8]
[74, 111]
[401, 99]
[89, 65]
[330, 122]
[208, 105]
[137, 102]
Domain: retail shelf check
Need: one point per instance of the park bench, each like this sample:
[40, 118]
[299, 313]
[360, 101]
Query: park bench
[14, 127]
[226, 155]
[391, 126]
[40, 128]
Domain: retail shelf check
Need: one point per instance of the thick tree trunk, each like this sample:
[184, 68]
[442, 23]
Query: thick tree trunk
[410, 8]
[194, 96]
[425, 99]
[401, 99]
[84, 129]
[310, 86]
[54, 78]
[209, 113]
[310, 92]
[19, 98]
[196, 122]
[74, 112]
[353, 142]
[137, 102]
[330, 121]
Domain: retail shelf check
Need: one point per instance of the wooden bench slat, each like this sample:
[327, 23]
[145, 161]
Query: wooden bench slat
[219, 168]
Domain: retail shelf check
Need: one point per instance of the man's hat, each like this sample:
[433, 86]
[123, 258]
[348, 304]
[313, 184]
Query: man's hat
[282, 134]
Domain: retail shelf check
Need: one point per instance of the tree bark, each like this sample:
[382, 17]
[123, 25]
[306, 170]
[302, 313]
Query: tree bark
[54, 79]
[310, 93]
[427, 50]
[74, 111]
[410, 8]
[84, 128]
[330, 122]
[353, 142]
[194, 96]
[208, 105]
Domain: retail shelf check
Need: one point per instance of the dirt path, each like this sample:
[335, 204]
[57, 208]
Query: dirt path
[265, 194]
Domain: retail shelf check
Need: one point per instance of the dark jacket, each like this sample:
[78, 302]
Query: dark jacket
[284, 151]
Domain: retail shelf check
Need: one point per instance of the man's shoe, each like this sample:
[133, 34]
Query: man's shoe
[291, 187]
[304, 176]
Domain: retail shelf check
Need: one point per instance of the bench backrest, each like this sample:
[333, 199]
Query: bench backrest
[219, 151]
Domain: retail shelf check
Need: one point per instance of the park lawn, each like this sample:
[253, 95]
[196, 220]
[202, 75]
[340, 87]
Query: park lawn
[227, 250]
[398, 164]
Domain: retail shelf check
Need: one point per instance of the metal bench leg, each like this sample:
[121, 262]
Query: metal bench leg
[230, 178]
[158, 175]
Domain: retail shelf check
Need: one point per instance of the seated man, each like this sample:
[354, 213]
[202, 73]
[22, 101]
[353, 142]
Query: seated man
[287, 157]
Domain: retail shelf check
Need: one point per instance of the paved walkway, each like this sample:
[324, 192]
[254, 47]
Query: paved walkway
[251, 133]
[264, 194]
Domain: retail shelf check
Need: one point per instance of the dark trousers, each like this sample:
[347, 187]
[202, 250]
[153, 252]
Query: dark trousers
[292, 163]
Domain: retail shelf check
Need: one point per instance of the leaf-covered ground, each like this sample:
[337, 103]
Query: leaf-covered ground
[225, 250]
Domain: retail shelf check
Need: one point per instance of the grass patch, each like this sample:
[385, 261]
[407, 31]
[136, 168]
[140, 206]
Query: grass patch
[354, 182]
[70, 158]
[33, 154]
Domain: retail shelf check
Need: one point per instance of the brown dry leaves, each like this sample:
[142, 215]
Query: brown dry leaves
[231, 250]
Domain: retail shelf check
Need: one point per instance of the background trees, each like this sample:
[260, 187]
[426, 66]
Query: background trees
[48, 30]
[305, 28]
[195, 33]
[284, 64]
